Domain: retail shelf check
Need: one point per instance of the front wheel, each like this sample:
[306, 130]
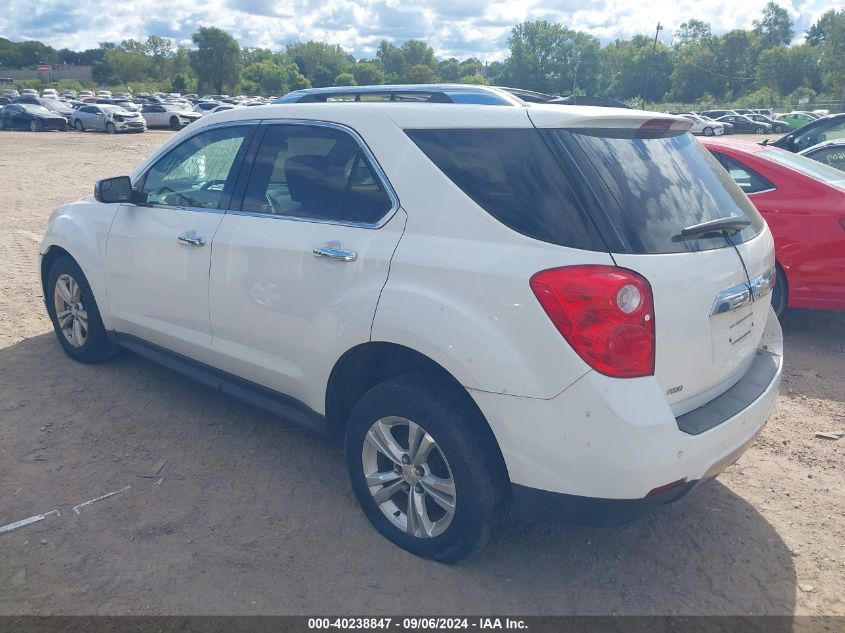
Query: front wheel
[761, 130]
[174, 123]
[424, 467]
[79, 125]
[36, 126]
[74, 313]
[708, 131]
[110, 128]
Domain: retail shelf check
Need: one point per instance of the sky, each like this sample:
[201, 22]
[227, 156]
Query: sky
[454, 28]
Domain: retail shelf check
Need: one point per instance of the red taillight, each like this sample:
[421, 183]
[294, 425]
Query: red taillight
[605, 313]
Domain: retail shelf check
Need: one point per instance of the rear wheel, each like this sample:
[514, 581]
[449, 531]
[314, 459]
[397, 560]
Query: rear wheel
[424, 467]
[761, 130]
[780, 293]
[74, 313]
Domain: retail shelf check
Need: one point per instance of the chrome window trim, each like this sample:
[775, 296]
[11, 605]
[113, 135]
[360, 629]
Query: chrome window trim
[368, 154]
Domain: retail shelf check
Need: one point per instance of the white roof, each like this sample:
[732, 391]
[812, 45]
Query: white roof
[447, 115]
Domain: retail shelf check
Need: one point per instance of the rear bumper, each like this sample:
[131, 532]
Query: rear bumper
[595, 452]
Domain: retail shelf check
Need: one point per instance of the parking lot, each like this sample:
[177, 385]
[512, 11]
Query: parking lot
[223, 509]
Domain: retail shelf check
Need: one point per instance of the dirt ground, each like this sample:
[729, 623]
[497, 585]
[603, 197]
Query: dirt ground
[232, 511]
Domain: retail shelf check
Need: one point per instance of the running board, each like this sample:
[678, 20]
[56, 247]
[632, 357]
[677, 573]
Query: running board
[258, 396]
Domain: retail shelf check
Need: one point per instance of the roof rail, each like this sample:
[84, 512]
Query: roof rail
[440, 93]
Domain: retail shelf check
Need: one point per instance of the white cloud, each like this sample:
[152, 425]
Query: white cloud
[460, 28]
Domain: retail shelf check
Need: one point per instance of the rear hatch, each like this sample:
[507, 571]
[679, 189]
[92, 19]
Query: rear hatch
[645, 180]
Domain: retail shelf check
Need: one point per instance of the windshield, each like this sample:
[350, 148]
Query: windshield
[807, 166]
[34, 108]
[53, 104]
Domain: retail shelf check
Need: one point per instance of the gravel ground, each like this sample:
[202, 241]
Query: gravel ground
[245, 514]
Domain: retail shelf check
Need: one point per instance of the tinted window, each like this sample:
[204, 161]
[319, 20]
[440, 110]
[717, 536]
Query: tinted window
[821, 132]
[747, 179]
[833, 156]
[807, 166]
[653, 188]
[514, 176]
[315, 172]
[197, 172]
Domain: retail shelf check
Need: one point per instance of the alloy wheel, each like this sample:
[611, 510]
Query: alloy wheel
[70, 312]
[409, 477]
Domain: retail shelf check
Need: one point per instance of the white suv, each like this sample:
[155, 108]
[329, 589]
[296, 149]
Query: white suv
[558, 311]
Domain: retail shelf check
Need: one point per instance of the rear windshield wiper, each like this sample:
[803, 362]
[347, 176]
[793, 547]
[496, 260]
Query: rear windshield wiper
[713, 228]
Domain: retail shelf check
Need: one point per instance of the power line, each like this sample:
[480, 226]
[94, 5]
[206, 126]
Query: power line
[713, 72]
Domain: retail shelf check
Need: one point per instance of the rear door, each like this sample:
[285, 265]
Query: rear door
[296, 273]
[649, 188]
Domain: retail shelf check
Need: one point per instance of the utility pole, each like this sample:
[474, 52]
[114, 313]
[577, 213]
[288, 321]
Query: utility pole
[648, 66]
[575, 77]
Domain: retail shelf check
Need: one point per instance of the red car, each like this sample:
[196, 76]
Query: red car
[803, 202]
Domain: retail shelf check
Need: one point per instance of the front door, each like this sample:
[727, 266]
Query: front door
[297, 272]
[159, 250]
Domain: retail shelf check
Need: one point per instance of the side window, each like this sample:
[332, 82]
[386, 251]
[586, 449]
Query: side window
[513, 176]
[821, 133]
[747, 179]
[196, 173]
[833, 156]
[315, 172]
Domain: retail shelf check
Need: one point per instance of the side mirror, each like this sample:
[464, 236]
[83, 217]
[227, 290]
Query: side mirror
[118, 189]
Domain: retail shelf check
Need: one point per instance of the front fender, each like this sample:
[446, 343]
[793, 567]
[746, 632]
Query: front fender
[81, 228]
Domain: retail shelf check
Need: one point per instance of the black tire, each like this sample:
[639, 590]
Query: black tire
[110, 128]
[708, 131]
[79, 125]
[174, 123]
[761, 130]
[780, 293]
[96, 346]
[36, 126]
[445, 412]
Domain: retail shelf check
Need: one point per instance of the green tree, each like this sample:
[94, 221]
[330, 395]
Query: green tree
[345, 79]
[818, 33]
[449, 70]
[775, 26]
[693, 32]
[216, 61]
[159, 50]
[419, 74]
[474, 79]
[367, 74]
[832, 60]
[391, 58]
[318, 61]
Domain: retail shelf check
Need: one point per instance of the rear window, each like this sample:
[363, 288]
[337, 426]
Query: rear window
[512, 174]
[653, 188]
[807, 166]
[592, 189]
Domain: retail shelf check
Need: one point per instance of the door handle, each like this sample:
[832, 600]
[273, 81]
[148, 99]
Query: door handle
[191, 239]
[335, 253]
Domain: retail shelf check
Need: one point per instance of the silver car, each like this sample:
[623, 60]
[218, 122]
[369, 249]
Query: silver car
[107, 118]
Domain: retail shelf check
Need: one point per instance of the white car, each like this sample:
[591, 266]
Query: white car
[106, 118]
[431, 286]
[29, 92]
[703, 126]
[167, 115]
[104, 94]
[49, 93]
